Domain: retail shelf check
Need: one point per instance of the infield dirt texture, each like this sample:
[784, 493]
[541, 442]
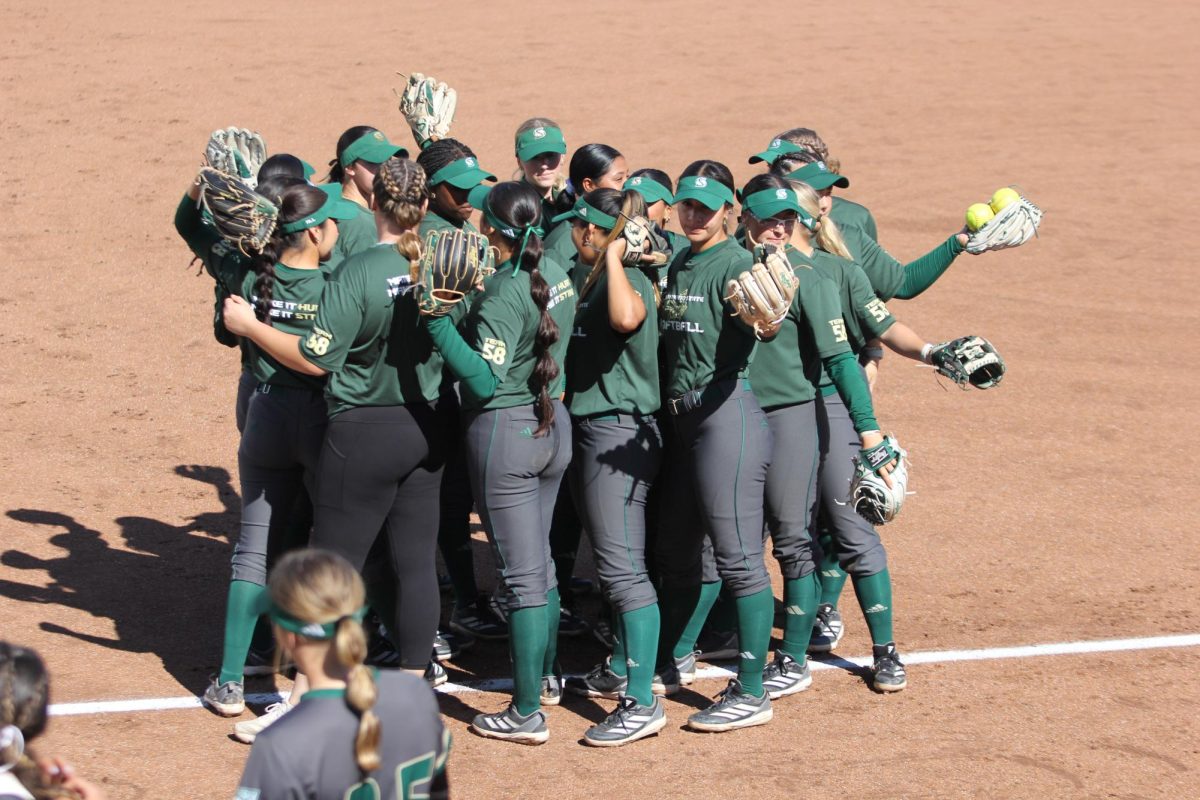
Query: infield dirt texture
[1059, 507]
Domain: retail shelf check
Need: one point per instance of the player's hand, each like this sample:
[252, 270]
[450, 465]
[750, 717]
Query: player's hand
[238, 315]
[872, 370]
[963, 236]
[58, 773]
[868, 440]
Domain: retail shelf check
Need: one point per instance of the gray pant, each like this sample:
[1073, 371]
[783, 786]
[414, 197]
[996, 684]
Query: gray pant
[247, 383]
[855, 540]
[616, 460]
[715, 489]
[791, 490]
[277, 459]
[515, 479]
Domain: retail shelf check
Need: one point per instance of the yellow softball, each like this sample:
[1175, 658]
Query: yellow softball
[979, 215]
[1003, 198]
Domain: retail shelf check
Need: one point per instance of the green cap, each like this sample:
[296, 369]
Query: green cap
[708, 191]
[462, 174]
[536, 141]
[770, 202]
[777, 148]
[309, 171]
[818, 176]
[335, 206]
[311, 630]
[651, 190]
[478, 199]
[588, 213]
[372, 147]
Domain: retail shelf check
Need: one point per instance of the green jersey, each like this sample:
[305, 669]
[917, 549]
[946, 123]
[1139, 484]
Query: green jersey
[787, 369]
[559, 244]
[610, 372]
[701, 342]
[354, 236]
[885, 273]
[502, 324]
[368, 335]
[847, 212]
[865, 315]
[295, 298]
[432, 221]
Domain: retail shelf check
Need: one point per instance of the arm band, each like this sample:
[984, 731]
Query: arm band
[852, 386]
[919, 275]
[473, 372]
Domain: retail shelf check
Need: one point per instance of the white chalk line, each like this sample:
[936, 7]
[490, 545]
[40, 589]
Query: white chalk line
[832, 662]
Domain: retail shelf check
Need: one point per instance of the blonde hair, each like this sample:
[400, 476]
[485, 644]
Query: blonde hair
[400, 188]
[560, 180]
[826, 234]
[319, 586]
[810, 140]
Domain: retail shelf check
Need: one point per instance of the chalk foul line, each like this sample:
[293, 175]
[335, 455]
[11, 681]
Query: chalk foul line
[833, 662]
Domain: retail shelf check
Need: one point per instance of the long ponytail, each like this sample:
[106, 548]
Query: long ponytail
[825, 233]
[295, 202]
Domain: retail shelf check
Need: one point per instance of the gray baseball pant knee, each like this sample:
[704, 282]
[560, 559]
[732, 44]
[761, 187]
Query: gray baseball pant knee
[277, 456]
[515, 478]
[726, 446]
[791, 490]
[859, 549]
[616, 460]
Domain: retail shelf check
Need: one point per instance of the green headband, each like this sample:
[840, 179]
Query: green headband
[334, 206]
[588, 213]
[708, 191]
[651, 190]
[535, 141]
[311, 630]
[777, 148]
[372, 147]
[478, 198]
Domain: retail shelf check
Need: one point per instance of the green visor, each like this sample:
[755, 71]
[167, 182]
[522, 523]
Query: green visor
[478, 199]
[770, 202]
[335, 206]
[818, 176]
[372, 147]
[308, 168]
[310, 630]
[777, 148]
[536, 141]
[651, 190]
[462, 174]
[709, 192]
[588, 213]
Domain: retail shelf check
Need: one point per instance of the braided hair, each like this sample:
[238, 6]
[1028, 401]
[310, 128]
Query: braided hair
[24, 704]
[518, 205]
[814, 150]
[295, 202]
[400, 190]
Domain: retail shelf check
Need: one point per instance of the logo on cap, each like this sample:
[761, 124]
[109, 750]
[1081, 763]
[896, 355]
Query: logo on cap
[821, 166]
[470, 162]
[539, 133]
[378, 135]
[636, 181]
[701, 182]
[781, 194]
[776, 144]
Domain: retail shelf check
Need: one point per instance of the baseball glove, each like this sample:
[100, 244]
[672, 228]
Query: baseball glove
[873, 499]
[237, 151]
[428, 107]
[1016, 224]
[452, 264]
[969, 360]
[762, 296]
[645, 243]
[241, 215]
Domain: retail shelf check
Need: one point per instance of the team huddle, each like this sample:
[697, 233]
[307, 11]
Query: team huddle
[563, 364]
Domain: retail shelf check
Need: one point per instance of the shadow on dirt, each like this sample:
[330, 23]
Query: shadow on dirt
[164, 594]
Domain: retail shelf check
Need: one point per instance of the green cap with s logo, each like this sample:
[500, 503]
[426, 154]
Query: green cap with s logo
[818, 176]
[465, 173]
[542, 139]
[372, 147]
[777, 148]
[651, 190]
[709, 192]
[588, 213]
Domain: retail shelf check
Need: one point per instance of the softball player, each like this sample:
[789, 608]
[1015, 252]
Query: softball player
[540, 148]
[518, 437]
[381, 463]
[360, 151]
[657, 190]
[453, 172]
[286, 419]
[785, 375]
[613, 394]
[717, 426]
[593, 166]
[356, 734]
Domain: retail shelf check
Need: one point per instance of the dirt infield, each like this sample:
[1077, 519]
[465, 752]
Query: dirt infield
[1051, 509]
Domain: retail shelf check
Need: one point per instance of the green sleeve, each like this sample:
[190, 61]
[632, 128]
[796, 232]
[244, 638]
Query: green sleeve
[848, 377]
[869, 311]
[919, 275]
[198, 236]
[340, 317]
[474, 374]
[868, 225]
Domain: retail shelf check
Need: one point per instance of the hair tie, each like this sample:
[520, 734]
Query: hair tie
[11, 736]
[521, 249]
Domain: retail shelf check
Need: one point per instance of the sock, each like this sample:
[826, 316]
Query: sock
[619, 654]
[675, 606]
[553, 607]
[875, 598]
[832, 576]
[756, 616]
[800, 606]
[527, 631]
[241, 614]
[698, 615]
[723, 616]
[640, 633]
